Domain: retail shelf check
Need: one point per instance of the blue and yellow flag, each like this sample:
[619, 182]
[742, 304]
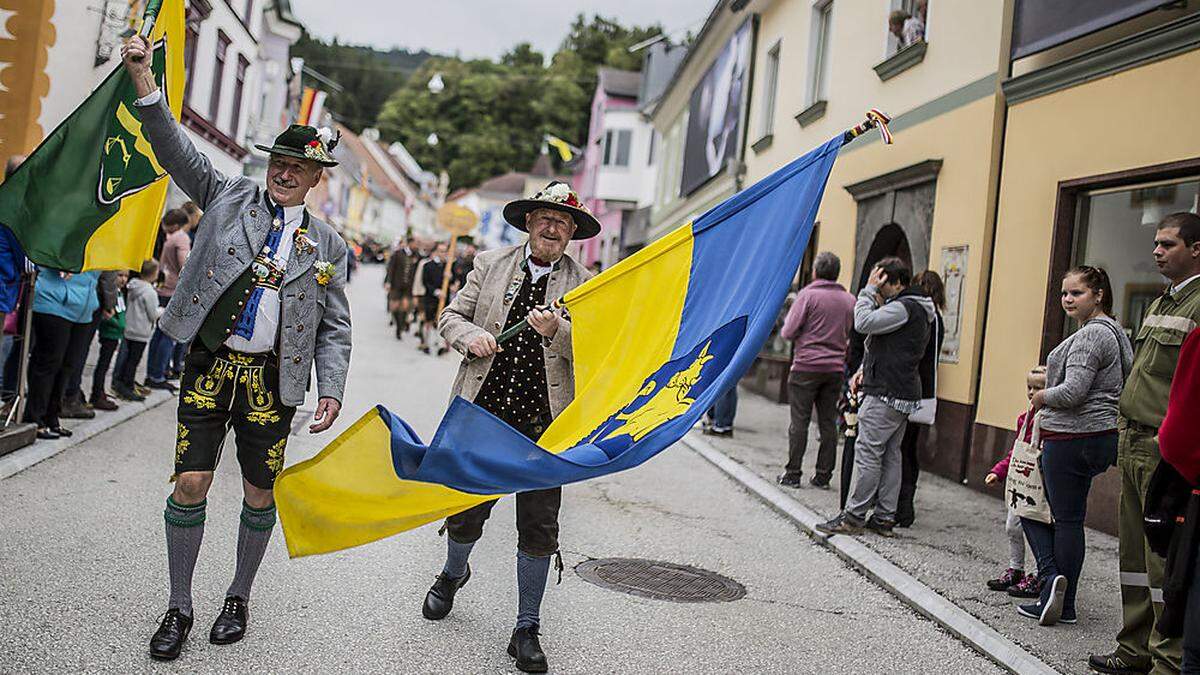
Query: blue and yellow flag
[656, 339]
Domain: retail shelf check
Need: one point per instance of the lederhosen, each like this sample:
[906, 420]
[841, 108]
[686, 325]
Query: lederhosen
[223, 389]
[515, 391]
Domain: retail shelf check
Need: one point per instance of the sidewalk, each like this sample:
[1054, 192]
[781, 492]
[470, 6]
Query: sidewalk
[956, 544]
[23, 458]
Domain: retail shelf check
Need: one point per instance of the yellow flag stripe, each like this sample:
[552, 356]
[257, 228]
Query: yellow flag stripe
[127, 238]
[607, 329]
[337, 500]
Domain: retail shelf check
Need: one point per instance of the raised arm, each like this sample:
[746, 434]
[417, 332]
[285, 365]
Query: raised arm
[189, 168]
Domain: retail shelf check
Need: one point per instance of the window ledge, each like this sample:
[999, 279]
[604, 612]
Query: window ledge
[763, 143]
[812, 113]
[901, 61]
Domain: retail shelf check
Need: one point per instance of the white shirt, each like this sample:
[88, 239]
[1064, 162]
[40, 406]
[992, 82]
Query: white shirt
[1181, 285]
[266, 322]
[149, 99]
[536, 271]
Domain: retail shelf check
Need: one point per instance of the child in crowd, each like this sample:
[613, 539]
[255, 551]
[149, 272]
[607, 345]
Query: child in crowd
[141, 314]
[1014, 580]
[112, 329]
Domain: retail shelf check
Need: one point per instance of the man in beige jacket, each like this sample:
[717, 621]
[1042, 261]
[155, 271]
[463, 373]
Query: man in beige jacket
[526, 382]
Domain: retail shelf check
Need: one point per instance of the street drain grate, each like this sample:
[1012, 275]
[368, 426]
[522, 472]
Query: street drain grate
[660, 580]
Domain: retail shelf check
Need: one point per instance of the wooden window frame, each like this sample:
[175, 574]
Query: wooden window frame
[1062, 246]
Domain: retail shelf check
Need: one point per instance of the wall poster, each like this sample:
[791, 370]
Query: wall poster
[954, 275]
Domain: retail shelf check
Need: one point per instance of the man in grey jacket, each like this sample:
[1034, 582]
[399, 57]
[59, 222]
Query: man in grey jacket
[261, 299]
[897, 322]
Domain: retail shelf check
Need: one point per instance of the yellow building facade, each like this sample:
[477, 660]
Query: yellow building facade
[819, 68]
[1023, 147]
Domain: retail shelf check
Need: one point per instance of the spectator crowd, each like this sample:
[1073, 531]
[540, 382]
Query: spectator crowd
[66, 312]
[1100, 400]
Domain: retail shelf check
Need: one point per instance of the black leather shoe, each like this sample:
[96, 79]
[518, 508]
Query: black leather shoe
[230, 625]
[62, 431]
[525, 648]
[46, 434]
[167, 641]
[440, 597]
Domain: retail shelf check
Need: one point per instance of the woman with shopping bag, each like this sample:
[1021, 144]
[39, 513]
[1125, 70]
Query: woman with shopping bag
[1077, 426]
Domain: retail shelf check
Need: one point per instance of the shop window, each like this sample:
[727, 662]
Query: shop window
[1115, 230]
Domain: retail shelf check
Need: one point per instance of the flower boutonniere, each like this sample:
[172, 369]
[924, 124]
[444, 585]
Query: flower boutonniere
[325, 271]
[304, 244]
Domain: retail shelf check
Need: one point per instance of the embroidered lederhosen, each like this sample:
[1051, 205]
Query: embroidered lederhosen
[230, 390]
[223, 389]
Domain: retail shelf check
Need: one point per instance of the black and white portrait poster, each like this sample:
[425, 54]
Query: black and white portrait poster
[715, 113]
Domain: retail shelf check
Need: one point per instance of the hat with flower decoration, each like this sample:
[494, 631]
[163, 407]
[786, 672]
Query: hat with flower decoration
[305, 142]
[560, 197]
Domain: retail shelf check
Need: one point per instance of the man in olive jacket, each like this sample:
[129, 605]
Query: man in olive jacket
[1168, 320]
[261, 300]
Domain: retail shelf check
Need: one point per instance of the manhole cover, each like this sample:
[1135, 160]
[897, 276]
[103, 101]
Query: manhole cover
[660, 580]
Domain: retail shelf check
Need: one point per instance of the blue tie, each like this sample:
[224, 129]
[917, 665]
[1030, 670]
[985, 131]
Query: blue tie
[245, 323]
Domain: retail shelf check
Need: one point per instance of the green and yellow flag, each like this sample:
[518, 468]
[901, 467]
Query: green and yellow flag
[90, 196]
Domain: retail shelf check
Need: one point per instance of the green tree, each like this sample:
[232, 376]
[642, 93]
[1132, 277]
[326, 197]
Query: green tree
[492, 115]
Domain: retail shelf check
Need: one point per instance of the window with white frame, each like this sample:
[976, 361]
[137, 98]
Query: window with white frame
[617, 143]
[821, 32]
[906, 23]
[766, 122]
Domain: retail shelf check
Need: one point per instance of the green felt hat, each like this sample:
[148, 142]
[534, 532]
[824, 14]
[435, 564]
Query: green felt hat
[305, 142]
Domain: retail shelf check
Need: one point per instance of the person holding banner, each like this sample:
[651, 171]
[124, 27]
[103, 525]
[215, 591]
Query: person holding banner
[527, 383]
[261, 299]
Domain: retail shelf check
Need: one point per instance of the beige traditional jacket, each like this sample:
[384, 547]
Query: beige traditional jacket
[480, 307]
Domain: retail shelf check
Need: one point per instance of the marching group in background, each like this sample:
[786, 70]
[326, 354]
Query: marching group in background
[1099, 400]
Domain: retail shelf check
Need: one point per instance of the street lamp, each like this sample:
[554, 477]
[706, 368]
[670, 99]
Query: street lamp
[436, 85]
[432, 138]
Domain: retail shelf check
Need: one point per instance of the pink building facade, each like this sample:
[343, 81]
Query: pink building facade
[616, 174]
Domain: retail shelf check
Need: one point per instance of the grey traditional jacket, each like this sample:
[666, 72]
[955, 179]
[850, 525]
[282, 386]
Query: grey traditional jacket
[480, 308]
[315, 321]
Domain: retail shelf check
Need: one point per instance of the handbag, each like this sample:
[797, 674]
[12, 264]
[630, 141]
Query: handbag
[1024, 490]
[925, 413]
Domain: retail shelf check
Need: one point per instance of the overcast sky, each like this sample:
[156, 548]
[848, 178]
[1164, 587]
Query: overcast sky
[481, 28]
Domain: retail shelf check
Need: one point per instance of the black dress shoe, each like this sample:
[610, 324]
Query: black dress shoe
[46, 434]
[230, 625]
[525, 648]
[63, 432]
[167, 641]
[440, 597]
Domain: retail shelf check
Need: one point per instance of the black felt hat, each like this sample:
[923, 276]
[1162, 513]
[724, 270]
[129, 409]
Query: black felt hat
[559, 196]
[304, 142]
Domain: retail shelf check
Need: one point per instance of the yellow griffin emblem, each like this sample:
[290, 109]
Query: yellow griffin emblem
[667, 403]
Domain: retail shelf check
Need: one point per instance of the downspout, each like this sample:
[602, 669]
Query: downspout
[999, 126]
[739, 177]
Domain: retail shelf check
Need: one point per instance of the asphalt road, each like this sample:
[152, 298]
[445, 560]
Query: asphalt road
[83, 567]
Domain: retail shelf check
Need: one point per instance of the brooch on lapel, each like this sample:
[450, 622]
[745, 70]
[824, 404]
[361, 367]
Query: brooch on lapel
[324, 271]
[304, 244]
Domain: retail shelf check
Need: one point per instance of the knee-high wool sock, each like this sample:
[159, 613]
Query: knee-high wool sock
[185, 530]
[253, 535]
[531, 586]
[456, 558]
